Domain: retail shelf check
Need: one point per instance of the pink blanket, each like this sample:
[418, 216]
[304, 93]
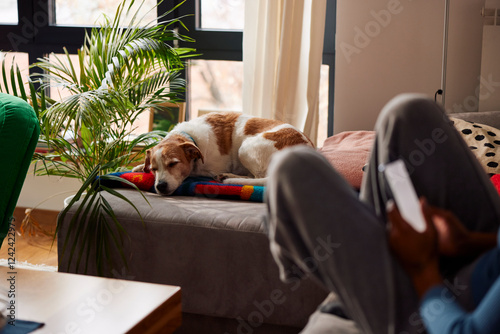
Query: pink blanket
[348, 152]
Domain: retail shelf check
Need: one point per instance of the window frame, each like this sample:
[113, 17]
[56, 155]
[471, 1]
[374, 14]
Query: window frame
[38, 37]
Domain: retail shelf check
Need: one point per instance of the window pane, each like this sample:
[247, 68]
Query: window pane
[215, 85]
[323, 105]
[22, 61]
[222, 14]
[89, 12]
[59, 92]
[8, 11]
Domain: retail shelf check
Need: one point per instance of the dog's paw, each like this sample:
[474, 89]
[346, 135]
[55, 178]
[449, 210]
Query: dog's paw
[138, 168]
[222, 177]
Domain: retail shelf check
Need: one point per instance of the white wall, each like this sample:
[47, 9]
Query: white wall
[490, 69]
[464, 55]
[405, 55]
[46, 192]
[402, 55]
[490, 65]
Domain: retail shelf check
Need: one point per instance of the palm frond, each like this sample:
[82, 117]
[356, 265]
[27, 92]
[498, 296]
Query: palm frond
[123, 68]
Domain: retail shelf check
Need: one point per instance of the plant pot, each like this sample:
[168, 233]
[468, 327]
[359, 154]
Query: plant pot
[68, 199]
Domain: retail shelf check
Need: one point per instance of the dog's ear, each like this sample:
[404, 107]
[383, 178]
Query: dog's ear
[147, 162]
[192, 151]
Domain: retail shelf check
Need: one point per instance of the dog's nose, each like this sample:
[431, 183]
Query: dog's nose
[162, 187]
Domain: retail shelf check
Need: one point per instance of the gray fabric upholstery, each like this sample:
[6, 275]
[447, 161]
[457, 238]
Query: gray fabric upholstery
[491, 118]
[216, 250]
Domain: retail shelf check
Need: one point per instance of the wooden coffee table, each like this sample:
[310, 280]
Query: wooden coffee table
[69, 303]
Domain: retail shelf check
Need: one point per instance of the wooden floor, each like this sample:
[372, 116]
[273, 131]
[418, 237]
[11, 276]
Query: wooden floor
[38, 249]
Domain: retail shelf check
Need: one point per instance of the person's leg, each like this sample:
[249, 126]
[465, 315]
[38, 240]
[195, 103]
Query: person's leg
[317, 224]
[309, 201]
[441, 165]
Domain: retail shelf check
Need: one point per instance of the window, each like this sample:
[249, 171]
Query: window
[88, 12]
[19, 58]
[215, 85]
[59, 92]
[222, 14]
[49, 25]
[215, 82]
[8, 12]
[324, 89]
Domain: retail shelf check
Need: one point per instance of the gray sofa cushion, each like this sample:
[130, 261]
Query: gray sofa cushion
[216, 250]
[491, 118]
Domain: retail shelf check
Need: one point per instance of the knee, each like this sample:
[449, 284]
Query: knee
[292, 161]
[412, 110]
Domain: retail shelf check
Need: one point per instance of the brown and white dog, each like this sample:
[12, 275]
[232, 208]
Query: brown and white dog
[230, 147]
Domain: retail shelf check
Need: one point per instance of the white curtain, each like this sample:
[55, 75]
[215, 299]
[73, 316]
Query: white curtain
[282, 52]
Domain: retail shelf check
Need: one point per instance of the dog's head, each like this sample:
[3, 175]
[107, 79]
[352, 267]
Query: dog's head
[171, 161]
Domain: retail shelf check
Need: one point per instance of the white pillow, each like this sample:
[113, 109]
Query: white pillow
[484, 141]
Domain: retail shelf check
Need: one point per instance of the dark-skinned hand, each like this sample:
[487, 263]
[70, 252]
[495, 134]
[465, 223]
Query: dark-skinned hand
[417, 252]
[452, 234]
[455, 240]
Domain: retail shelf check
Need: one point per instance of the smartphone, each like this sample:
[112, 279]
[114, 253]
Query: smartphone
[404, 194]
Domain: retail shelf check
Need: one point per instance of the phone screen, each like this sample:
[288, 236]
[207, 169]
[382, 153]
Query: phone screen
[404, 194]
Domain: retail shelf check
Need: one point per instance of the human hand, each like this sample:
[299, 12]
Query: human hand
[413, 249]
[452, 234]
[456, 240]
[416, 251]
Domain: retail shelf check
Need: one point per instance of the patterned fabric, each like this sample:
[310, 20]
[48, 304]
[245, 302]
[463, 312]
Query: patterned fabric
[192, 186]
[484, 141]
[143, 181]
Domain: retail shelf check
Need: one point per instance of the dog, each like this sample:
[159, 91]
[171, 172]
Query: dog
[230, 147]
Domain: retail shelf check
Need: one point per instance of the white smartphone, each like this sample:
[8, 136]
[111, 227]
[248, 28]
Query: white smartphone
[404, 194]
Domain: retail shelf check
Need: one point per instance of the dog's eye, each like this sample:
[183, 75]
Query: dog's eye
[172, 164]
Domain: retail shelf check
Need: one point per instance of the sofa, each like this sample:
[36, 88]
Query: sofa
[19, 131]
[218, 252]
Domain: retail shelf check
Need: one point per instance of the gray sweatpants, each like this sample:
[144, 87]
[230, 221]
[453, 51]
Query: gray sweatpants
[320, 226]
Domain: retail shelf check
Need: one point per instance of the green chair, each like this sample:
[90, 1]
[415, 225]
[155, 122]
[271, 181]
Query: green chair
[19, 131]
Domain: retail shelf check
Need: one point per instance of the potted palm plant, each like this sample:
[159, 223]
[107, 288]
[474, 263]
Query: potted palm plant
[126, 68]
